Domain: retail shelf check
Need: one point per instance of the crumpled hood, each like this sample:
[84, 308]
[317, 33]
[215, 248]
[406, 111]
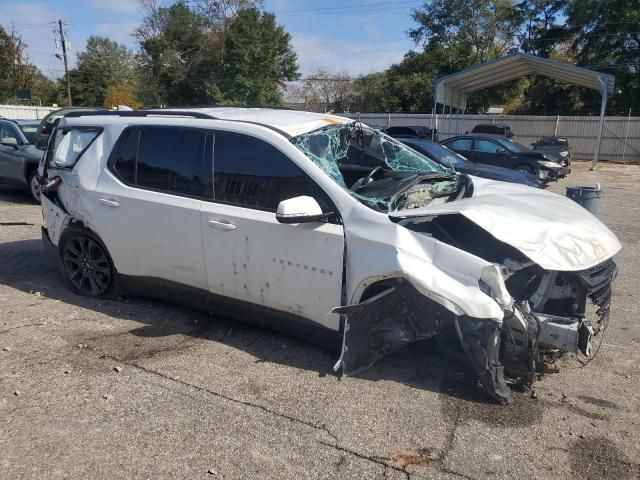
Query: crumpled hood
[553, 231]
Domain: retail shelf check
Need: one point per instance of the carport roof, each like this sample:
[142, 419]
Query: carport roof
[452, 90]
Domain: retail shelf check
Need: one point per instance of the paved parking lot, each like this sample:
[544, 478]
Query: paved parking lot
[139, 389]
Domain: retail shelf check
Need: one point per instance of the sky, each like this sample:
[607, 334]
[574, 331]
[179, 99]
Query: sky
[352, 36]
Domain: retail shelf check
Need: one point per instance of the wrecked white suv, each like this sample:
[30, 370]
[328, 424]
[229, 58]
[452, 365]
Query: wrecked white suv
[272, 216]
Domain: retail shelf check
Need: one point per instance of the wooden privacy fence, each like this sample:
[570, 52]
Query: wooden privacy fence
[620, 138]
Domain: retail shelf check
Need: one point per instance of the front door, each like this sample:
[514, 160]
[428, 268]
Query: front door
[252, 257]
[11, 158]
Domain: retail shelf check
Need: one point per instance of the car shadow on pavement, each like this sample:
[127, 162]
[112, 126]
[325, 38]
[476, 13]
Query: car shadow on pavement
[25, 266]
[15, 194]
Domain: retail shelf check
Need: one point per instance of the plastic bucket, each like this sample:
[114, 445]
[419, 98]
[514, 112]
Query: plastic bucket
[588, 197]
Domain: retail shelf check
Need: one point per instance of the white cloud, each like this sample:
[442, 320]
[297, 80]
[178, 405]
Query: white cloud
[117, 5]
[355, 58]
[119, 32]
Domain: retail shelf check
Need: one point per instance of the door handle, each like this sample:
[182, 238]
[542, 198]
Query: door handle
[109, 202]
[222, 224]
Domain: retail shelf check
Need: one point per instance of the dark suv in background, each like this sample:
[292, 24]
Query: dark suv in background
[493, 129]
[502, 152]
[413, 131]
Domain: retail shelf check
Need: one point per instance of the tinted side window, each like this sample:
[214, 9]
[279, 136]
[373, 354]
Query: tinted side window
[8, 131]
[124, 158]
[251, 172]
[460, 144]
[486, 146]
[173, 159]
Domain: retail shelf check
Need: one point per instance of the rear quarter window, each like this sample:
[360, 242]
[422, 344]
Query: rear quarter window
[69, 145]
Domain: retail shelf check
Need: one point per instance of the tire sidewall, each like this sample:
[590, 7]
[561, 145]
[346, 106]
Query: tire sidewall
[30, 180]
[113, 290]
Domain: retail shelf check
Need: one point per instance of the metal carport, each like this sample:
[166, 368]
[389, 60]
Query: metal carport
[452, 90]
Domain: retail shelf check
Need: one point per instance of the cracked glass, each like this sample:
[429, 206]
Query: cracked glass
[358, 144]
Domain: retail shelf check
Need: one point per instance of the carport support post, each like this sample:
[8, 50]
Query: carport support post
[603, 108]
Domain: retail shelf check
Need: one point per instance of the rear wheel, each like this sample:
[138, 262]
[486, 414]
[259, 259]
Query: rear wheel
[86, 265]
[34, 186]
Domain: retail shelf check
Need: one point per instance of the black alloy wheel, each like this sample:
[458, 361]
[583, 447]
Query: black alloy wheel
[86, 265]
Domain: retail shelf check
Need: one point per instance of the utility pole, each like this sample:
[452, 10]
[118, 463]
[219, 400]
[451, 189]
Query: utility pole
[63, 40]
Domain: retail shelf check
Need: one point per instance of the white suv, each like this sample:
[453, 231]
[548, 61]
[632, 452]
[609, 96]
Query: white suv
[275, 217]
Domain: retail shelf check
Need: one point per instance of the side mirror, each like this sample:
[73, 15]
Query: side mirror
[501, 150]
[9, 142]
[301, 209]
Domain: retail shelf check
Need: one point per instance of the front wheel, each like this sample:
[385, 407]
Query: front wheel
[34, 186]
[86, 266]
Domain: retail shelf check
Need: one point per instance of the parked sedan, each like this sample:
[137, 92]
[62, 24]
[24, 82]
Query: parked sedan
[450, 159]
[19, 159]
[502, 152]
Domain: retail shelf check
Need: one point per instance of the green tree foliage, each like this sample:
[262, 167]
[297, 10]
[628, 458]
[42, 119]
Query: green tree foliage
[16, 73]
[452, 34]
[178, 60]
[258, 58]
[103, 62]
[215, 51]
[455, 34]
[607, 38]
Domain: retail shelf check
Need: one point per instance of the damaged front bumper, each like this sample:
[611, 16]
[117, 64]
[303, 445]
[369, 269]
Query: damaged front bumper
[537, 331]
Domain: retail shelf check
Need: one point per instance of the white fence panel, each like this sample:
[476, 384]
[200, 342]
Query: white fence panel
[620, 138]
[23, 112]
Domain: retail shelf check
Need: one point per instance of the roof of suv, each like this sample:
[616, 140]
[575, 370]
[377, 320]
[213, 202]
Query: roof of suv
[291, 122]
[287, 122]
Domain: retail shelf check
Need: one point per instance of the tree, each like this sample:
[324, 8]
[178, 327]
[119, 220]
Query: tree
[607, 38]
[120, 94]
[258, 59]
[102, 63]
[325, 91]
[17, 73]
[467, 32]
[179, 62]
[182, 50]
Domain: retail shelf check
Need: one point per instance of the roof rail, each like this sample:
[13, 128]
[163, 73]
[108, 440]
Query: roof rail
[230, 105]
[140, 113]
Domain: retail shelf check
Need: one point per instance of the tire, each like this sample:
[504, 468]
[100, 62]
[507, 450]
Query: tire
[34, 186]
[525, 169]
[86, 265]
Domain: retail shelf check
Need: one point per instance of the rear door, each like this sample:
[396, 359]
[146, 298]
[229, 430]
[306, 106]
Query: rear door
[249, 255]
[147, 203]
[464, 146]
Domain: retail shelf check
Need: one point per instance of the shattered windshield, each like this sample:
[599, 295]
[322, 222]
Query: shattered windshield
[338, 149]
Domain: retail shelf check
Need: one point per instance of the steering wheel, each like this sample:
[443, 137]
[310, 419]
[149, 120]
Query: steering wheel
[368, 178]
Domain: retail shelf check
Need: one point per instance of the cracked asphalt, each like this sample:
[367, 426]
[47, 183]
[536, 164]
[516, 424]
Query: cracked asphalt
[133, 388]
